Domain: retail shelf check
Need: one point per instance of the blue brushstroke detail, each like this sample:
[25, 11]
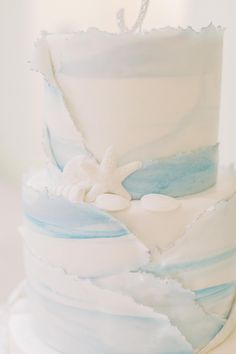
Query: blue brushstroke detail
[215, 293]
[133, 56]
[176, 176]
[81, 331]
[59, 218]
[161, 270]
[215, 296]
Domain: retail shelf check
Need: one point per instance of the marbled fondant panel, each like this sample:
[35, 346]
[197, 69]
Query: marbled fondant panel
[134, 284]
[207, 251]
[130, 295]
[151, 95]
[100, 333]
[176, 176]
[136, 280]
[96, 243]
[197, 237]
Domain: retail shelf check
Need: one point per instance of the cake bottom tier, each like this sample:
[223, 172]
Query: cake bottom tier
[133, 281]
[22, 339]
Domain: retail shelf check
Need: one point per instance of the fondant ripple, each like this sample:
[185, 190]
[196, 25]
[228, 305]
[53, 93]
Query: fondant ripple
[57, 217]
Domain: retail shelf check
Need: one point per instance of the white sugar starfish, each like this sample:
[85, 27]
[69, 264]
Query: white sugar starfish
[91, 179]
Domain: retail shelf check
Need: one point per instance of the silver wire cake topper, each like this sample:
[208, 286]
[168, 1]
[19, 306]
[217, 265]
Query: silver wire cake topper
[138, 24]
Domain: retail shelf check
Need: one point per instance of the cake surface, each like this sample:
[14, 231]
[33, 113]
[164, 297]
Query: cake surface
[129, 233]
[149, 95]
[181, 270]
[24, 341]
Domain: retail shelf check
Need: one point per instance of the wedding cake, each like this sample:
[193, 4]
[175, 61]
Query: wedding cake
[129, 230]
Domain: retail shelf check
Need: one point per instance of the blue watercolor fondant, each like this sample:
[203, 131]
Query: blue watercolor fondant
[162, 269]
[221, 297]
[179, 175]
[215, 292]
[176, 176]
[128, 55]
[88, 331]
[60, 218]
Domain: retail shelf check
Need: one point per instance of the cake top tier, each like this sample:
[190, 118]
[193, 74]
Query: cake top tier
[157, 53]
[151, 95]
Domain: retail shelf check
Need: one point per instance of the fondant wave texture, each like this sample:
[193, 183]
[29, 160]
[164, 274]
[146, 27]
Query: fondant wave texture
[121, 293]
[125, 296]
[69, 303]
[65, 138]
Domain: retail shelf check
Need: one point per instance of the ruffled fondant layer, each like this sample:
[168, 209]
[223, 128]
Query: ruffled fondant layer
[84, 265]
[104, 89]
[131, 295]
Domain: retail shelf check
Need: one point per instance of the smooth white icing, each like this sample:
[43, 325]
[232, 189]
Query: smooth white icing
[159, 203]
[88, 258]
[23, 340]
[164, 121]
[145, 114]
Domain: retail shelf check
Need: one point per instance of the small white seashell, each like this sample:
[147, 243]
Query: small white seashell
[159, 203]
[112, 202]
[73, 194]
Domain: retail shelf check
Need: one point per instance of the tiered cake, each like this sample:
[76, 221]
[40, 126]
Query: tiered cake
[129, 234]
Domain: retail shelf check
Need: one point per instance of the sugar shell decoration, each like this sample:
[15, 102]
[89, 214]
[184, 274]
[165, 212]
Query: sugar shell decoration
[160, 203]
[112, 202]
[84, 180]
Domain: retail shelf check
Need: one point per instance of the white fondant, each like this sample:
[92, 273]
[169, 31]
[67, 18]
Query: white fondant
[127, 294]
[157, 231]
[161, 135]
[88, 257]
[161, 230]
[112, 202]
[122, 294]
[56, 285]
[147, 109]
[23, 340]
[148, 115]
[57, 115]
[210, 236]
[160, 203]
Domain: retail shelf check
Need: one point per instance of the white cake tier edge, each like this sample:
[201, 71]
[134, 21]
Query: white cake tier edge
[22, 339]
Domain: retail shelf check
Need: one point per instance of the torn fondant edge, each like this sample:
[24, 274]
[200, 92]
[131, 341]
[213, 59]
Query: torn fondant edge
[42, 63]
[225, 333]
[162, 32]
[223, 202]
[92, 297]
[75, 279]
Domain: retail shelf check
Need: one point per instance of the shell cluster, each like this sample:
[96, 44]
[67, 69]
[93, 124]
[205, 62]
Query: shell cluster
[85, 180]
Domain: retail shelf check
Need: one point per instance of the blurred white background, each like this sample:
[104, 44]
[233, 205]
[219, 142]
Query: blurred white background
[21, 91]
